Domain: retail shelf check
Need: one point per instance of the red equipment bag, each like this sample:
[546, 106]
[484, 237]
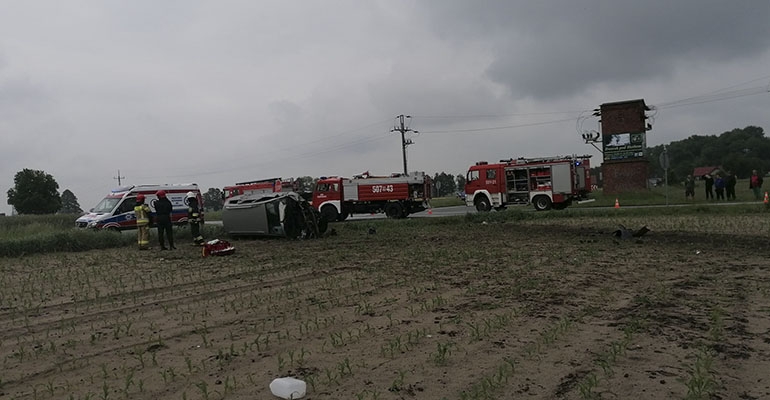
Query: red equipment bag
[218, 247]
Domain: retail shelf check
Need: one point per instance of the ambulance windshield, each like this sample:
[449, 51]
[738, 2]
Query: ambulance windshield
[106, 205]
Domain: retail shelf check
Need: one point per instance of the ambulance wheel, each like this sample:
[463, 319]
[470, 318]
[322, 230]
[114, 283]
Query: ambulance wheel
[394, 210]
[329, 212]
[542, 203]
[482, 204]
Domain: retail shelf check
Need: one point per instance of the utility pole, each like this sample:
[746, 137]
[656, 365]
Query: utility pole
[402, 127]
[119, 177]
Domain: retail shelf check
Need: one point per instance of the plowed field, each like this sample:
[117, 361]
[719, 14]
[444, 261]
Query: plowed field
[417, 309]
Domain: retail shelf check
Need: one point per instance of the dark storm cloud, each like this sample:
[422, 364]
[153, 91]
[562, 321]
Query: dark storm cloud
[548, 49]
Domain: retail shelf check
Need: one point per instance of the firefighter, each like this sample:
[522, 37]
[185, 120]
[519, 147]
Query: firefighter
[142, 213]
[163, 210]
[193, 216]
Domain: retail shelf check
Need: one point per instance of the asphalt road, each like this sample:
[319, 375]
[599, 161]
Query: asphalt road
[433, 213]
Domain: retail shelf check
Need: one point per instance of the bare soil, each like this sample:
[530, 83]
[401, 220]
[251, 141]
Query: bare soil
[431, 311]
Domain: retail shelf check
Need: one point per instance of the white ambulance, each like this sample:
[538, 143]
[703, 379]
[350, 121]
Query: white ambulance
[116, 210]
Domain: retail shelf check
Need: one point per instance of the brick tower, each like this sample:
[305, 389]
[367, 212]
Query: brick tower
[624, 142]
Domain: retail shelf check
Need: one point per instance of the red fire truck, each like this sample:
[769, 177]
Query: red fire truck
[397, 195]
[263, 186]
[549, 182]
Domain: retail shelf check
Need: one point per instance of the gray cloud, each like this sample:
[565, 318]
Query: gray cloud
[221, 92]
[548, 49]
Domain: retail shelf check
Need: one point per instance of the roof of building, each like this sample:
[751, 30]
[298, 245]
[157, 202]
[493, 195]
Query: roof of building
[700, 171]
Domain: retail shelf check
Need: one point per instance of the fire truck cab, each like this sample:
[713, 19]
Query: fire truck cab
[548, 182]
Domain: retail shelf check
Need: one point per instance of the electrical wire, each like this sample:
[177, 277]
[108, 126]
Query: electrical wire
[493, 116]
[494, 128]
[721, 94]
[718, 95]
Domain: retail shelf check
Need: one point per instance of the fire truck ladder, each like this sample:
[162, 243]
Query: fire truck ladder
[523, 160]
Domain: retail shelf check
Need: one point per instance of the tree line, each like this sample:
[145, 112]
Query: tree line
[738, 150]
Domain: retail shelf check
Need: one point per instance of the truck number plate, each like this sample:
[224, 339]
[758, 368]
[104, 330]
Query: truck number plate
[382, 188]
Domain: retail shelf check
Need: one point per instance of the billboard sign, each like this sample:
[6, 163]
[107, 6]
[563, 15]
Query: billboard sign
[623, 146]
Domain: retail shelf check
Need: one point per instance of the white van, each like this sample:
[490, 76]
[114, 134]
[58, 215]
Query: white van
[116, 210]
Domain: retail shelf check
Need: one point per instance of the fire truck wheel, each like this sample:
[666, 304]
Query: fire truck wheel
[482, 204]
[394, 210]
[542, 203]
[329, 212]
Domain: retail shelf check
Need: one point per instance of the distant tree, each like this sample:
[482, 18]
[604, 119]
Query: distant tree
[444, 184]
[69, 203]
[34, 192]
[212, 199]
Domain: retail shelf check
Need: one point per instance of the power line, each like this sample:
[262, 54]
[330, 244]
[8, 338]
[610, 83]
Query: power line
[718, 95]
[733, 94]
[493, 116]
[493, 128]
[721, 94]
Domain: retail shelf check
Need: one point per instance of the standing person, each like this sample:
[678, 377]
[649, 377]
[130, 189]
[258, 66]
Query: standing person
[730, 181]
[689, 188]
[708, 180]
[163, 209]
[142, 213]
[193, 217]
[755, 184]
[719, 185]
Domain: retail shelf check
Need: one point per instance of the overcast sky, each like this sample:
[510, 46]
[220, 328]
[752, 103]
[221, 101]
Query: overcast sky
[216, 92]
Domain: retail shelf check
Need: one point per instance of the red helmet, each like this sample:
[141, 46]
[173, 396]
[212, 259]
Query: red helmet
[139, 198]
[161, 193]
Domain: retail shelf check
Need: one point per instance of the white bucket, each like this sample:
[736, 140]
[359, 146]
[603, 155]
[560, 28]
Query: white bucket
[288, 388]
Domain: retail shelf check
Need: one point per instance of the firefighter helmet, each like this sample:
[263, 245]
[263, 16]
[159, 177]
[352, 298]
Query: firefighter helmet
[140, 198]
[161, 193]
[190, 195]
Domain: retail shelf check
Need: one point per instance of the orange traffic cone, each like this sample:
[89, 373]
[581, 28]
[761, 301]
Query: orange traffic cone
[766, 199]
[617, 205]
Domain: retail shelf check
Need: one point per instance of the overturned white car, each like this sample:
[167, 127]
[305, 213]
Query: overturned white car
[279, 214]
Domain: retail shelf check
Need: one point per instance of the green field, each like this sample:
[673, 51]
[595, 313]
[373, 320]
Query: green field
[513, 304]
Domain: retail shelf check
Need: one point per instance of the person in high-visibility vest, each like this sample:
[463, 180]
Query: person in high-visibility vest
[194, 218]
[142, 213]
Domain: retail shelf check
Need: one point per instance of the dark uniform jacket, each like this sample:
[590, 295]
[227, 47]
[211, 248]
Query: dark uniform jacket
[163, 209]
